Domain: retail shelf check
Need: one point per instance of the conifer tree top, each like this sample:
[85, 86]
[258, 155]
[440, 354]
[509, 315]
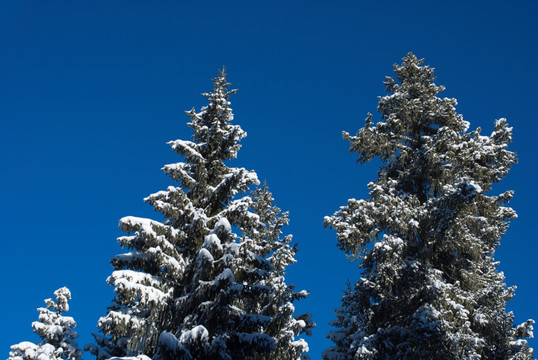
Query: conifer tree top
[58, 337]
[427, 235]
[207, 282]
[212, 126]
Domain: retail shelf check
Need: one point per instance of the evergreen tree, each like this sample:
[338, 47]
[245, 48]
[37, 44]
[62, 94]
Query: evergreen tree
[427, 235]
[56, 333]
[262, 241]
[198, 284]
[346, 328]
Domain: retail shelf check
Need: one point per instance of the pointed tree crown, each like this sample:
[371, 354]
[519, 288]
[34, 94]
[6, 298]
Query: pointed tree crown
[200, 283]
[427, 235]
[55, 330]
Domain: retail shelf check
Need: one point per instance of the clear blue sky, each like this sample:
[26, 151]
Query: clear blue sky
[91, 91]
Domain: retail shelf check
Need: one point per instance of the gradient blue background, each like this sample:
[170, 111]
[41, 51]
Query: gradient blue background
[91, 91]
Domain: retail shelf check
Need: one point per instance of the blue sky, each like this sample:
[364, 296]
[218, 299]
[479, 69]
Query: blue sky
[90, 92]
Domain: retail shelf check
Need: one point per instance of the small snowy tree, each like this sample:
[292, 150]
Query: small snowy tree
[346, 328]
[56, 333]
[199, 284]
[430, 288]
[269, 257]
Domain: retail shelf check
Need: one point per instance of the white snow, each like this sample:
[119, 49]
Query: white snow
[223, 224]
[226, 275]
[196, 334]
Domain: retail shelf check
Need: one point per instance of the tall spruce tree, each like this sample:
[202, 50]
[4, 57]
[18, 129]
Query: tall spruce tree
[207, 282]
[58, 337]
[427, 235]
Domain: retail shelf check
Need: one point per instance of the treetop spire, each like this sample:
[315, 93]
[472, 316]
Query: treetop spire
[427, 235]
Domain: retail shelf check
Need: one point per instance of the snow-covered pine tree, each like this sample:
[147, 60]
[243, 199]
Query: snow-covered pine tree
[346, 327]
[198, 284]
[55, 330]
[427, 236]
[261, 243]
